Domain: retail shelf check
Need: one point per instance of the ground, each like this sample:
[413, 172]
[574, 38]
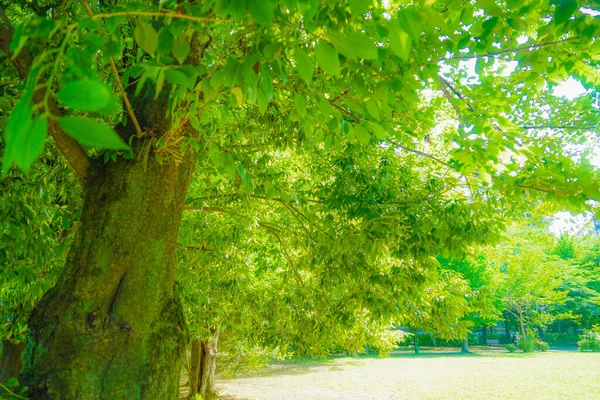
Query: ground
[432, 375]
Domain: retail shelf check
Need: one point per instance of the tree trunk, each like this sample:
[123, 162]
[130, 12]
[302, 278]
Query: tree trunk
[416, 343]
[204, 366]
[507, 330]
[541, 333]
[10, 362]
[484, 335]
[434, 341]
[195, 368]
[464, 348]
[113, 326]
[521, 325]
[209, 366]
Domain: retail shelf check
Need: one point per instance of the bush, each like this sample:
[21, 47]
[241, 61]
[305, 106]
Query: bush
[561, 339]
[590, 339]
[510, 347]
[529, 343]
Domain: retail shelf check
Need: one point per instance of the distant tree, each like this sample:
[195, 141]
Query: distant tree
[532, 279]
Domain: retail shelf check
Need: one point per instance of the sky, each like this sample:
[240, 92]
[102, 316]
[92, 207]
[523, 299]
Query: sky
[564, 222]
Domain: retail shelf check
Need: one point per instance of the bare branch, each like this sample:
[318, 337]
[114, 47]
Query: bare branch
[420, 153]
[514, 50]
[561, 127]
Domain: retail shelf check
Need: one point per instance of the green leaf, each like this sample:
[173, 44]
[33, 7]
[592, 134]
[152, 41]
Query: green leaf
[30, 145]
[87, 95]
[17, 127]
[92, 133]
[362, 135]
[327, 58]
[177, 77]
[262, 11]
[359, 7]
[373, 109]
[400, 44]
[165, 41]
[563, 11]
[304, 66]
[181, 48]
[354, 44]
[12, 382]
[146, 37]
[300, 103]
[490, 7]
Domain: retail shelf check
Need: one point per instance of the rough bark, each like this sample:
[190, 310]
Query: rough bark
[113, 327]
[209, 366]
[464, 348]
[10, 362]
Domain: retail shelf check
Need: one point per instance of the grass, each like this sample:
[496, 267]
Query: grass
[431, 375]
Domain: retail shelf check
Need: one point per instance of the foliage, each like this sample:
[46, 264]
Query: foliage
[590, 340]
[561, 339]
[531, 342]
[341, 146]
[531, 276]
[510, 347]
[38, 220]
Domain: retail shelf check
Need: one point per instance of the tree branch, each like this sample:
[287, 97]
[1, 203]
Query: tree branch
[113, 67]
[565, 127]
[73, 152]
[420, 153]
[514, 50]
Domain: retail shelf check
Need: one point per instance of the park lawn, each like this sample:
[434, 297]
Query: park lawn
[438, 375]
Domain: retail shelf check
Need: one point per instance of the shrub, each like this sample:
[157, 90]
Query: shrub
[510, 347]
[531, 342]
[590, 340]
[561, 339]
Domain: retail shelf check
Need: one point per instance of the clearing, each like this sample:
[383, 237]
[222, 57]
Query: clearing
[431, 375]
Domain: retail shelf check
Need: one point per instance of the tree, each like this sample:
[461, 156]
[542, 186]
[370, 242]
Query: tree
[195, 79]
[532, 278]
[440, 310]
[579, 280]
[483, 297]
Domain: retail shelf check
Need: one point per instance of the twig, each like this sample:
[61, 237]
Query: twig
[513, 50]
[157, 14]
[565, 127]
[344, 111]
[534, 188]
[113, 67]
[10, 392]
[456, 92]
[420, 153]
[447, 95]
[341, 95]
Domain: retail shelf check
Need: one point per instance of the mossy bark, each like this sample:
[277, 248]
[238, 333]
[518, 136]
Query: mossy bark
[10, 361]
[113, 327]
